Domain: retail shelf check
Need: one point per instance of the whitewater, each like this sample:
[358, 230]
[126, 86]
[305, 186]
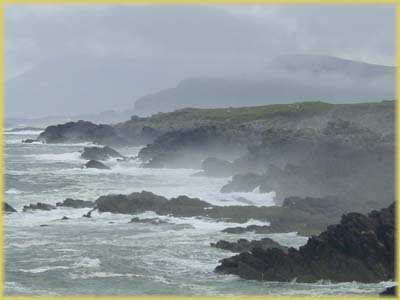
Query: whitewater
[107, 255]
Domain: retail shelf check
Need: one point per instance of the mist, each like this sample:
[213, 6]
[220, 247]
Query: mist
[74, 60]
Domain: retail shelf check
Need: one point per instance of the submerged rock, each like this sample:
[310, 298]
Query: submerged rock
[243, 245]
[38, 206]
[100, 153]
[94, 164]
[75, 203]
[9, 208]
[360, 248]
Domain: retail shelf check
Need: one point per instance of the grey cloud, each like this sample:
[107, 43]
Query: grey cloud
[188, 41]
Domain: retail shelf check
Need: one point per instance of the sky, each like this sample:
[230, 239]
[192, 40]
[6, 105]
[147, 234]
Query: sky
[172, 42]
[243, 34]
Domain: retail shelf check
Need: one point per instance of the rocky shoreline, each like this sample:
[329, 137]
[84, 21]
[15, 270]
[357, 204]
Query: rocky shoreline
[360, 248]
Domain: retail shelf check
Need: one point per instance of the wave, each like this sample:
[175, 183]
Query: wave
[43, 269]
[23, 132]
[72, 156]
[87, 262]
[13, 191]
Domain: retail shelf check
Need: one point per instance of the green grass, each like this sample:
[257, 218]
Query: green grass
[251, 113]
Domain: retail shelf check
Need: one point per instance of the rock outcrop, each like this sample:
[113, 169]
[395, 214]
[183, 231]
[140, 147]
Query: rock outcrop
[303, 215]
[75, 203]
[390, 291]
[38, 206]
[9, 208]
[243, 245]
[82, 131]
[130, 204]
[100, 153]
[94, 164]
[341, 159]
[360, 248]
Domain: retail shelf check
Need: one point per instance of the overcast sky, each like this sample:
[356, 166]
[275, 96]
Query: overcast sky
[243, 35]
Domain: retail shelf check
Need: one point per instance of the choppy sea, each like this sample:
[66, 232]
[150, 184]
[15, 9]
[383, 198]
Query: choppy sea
[106, 255]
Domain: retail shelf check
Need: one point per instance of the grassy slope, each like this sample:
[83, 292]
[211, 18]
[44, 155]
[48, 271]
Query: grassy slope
[251, 113]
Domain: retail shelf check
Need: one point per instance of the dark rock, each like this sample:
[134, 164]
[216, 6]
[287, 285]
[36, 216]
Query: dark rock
[44, 225]
[153, 221]
[390, 291]
[360, 248]
[259, 229]
[81, 131]
[29, 141]
[38, 206]
[75, 203]
[88, 214]
[64, 218]
[306, 219]
[243, 245]
[184, 206]
[94, 164]
[130, 204]
[187, 148]
[9, 208]
[98, 153]
[335, 158]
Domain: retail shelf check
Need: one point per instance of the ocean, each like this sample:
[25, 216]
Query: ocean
[107, 255]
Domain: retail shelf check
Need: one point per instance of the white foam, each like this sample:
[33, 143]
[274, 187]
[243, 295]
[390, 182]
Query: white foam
[43, 269]
[87, 262]
[72, 156]
[24, 132]
[13, 191]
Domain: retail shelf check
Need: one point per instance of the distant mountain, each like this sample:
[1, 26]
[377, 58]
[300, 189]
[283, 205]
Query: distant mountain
[286, 79]
[85, 85]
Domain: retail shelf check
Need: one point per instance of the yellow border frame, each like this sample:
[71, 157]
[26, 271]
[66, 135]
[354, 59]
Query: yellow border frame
[196, 2]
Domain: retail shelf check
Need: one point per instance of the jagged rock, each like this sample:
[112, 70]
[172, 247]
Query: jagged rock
[75, 203]
[360, 248]
[94, 164]
[306, 219]
[64, 218]
[38, 206]
[9, 208]
[81, 131]
[187, 148]
[338, 158]
[259, 229]
[243, 245]
[390, 291]
[130, 204]
[88, 214]
[184, 206]
[98, 153]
